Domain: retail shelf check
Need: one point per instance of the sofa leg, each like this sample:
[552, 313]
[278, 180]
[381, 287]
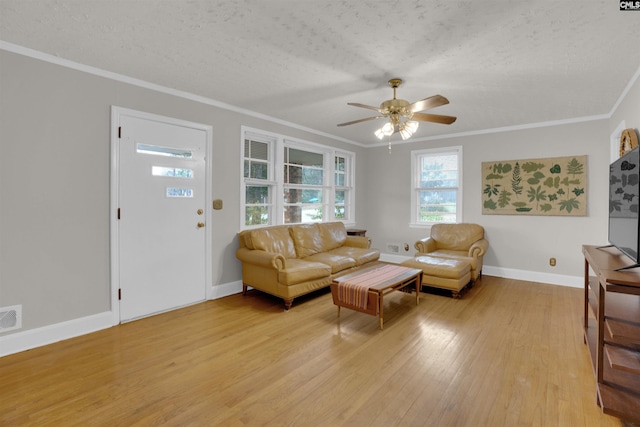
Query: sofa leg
[456, 295]
[287, 303]
[244, 289]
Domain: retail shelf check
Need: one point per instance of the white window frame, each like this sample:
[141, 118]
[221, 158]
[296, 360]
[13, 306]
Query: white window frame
[270, 182]
[416, 156]
[277, 143]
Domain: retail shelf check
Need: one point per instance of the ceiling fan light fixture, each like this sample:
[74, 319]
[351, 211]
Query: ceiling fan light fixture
[404, 117]
[408, 128]
[386, 130]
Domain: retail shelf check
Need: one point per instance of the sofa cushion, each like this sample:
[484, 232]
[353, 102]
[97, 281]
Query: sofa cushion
[333, 235]
[273, 239]
[360, 255]
[306, 239]
[299, 271]
[337, 262]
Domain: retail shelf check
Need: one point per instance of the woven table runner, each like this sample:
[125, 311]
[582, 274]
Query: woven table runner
[354, 291]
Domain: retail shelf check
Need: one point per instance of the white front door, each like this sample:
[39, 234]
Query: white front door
[161, 215]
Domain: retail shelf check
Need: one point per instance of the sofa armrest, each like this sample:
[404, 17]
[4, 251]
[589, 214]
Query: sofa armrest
[357, 242]
[479, 248]
[262, 258]
[425, 245]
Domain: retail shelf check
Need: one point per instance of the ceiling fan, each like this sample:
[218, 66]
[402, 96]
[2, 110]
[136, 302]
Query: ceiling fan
[403, 116]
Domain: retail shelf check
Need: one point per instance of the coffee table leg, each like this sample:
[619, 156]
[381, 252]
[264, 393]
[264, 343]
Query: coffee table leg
[380, 311]
[338, 312]
[418, 286]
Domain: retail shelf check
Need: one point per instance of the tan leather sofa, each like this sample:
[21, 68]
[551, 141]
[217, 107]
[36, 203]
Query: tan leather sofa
[292, 260]
[462, 242]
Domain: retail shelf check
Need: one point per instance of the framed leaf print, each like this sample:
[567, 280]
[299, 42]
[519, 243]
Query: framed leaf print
[551, 186]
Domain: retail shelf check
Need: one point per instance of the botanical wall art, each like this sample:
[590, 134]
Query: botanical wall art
[552, 186]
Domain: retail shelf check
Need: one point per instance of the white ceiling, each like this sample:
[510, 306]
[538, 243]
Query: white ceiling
[500, 63]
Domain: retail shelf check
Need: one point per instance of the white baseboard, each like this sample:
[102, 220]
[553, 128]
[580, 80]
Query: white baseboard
[49, 334]
[510, 273]
[394, 258]
[224, 290]
[33, 338]
[534, 276]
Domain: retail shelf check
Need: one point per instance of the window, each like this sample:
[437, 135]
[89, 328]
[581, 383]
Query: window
[288, 181]
[258, 180]
[437, 186]
[303, 186]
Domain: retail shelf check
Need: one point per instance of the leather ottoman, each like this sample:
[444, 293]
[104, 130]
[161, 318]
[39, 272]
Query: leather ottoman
[450, 274]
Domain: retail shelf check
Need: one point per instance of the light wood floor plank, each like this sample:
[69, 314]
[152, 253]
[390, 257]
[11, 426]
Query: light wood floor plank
[510, 353]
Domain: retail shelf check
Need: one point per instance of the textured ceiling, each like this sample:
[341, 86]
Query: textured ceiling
[500, 63]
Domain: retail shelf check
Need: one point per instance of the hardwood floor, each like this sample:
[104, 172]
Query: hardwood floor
[509, 353]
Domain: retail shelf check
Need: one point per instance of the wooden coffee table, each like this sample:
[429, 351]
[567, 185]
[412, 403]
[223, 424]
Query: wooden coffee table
[372, 284]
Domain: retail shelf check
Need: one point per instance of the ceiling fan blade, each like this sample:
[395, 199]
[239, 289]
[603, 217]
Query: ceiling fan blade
[428, 103]
[355, 104]
[436, 118]
[360, 120]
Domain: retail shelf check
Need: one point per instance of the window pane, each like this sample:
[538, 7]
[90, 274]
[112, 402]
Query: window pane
[339, 179]
[437, 206]
[439, 171]
[299, 175]
[256, 215]
[300, 214]
[172, 172]
[339, 210]
[259, 170]
[163, 151]
[257, 195]
[297, 195]
[340, 161]
[303, 158]
[256, 150]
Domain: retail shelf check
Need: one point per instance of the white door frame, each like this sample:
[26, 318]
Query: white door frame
[116, 112]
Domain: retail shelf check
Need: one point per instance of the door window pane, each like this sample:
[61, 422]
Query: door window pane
[179, 192]
[164, 151]
[171, 172]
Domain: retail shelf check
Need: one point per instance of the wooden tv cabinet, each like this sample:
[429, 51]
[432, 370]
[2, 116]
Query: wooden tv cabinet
[612, 330]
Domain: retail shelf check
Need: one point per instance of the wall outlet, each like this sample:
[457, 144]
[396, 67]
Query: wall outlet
[552, 262]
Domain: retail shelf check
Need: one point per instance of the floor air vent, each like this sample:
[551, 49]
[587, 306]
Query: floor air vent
[393, 248]
[10, 318]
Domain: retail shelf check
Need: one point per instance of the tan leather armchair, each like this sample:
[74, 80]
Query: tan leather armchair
[463, 242]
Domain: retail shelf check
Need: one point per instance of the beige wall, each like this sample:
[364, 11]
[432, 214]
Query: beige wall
[54, 187]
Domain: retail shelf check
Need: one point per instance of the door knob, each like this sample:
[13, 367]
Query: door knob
[200, 224]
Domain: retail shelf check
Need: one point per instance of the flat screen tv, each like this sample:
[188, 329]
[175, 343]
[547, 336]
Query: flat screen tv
[624, 194]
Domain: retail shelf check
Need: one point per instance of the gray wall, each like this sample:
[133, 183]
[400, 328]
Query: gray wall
[54, 186]
[517, 243]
